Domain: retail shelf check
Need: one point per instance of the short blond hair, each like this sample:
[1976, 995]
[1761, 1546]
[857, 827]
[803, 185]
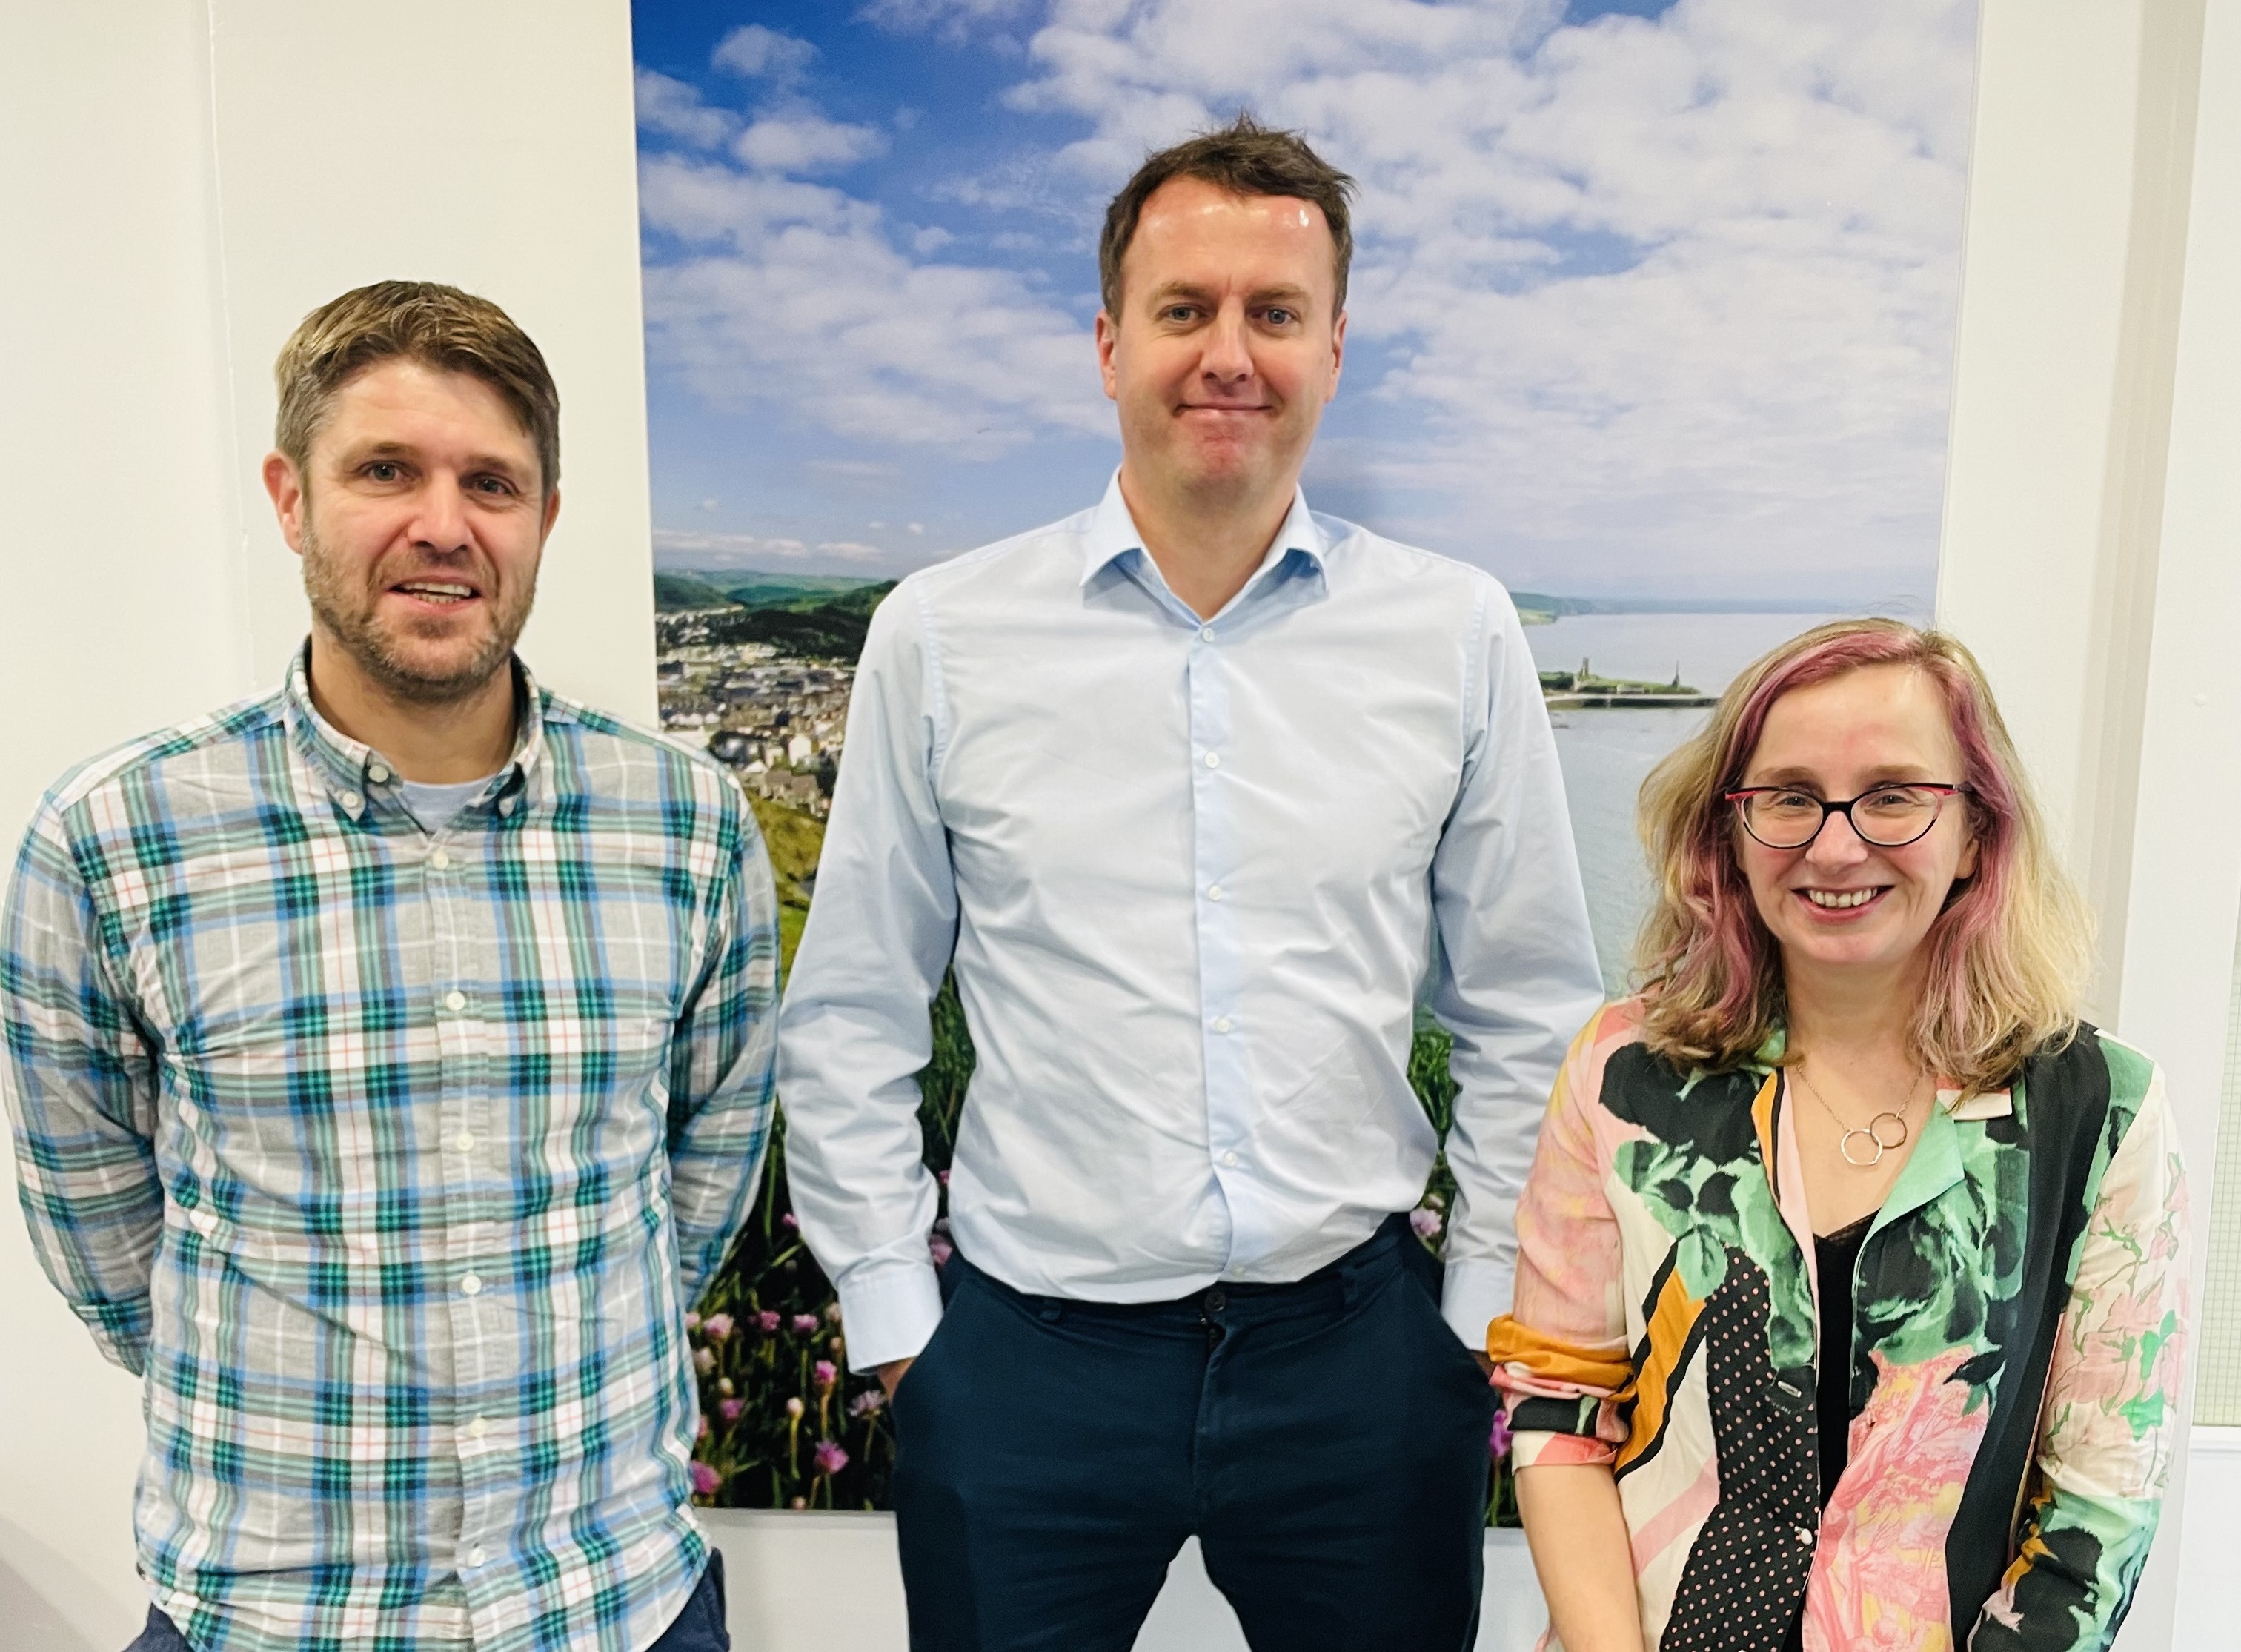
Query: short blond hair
[2008, 954]
[420, 321]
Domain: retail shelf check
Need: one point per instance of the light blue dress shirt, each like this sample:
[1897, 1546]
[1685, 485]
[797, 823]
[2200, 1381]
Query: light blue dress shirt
[1198, 876]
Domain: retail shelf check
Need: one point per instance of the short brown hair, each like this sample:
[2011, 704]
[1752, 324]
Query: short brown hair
[1243, 158]
[422, 321]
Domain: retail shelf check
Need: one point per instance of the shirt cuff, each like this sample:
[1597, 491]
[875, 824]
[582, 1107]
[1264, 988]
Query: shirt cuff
[890, 1316]
[1476, 1293]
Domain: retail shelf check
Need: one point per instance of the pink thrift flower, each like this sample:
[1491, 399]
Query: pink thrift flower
[703, 1360]
[942, 1176]
[702, 1431]
[805, 1323]
[794, 1407]
[1497, 1443]
[1427, 1222]
[799, 1502]
[705, 1480]
[833, 1313]
[768, 1320]
[869, 1401]
[717, 1326]
[729, 1410]
[788, 1221]
[831, 1459]
[691, 1323]
[825, 1374]
[939, 1248]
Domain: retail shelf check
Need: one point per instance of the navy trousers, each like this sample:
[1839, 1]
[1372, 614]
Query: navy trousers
[1325, 1441]
[699, 1627]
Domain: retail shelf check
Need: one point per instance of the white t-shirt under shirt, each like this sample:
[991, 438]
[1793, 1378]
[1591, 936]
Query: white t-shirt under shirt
[433, 805]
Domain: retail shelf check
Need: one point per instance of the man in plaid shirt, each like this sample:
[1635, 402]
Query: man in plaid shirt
[388, 1060]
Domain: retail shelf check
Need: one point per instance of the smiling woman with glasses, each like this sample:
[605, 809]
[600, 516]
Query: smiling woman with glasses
[1852, 1280]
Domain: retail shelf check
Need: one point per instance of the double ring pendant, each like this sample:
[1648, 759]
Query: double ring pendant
[1871, 1132]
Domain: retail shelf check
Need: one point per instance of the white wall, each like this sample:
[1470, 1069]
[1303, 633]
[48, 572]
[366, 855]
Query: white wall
[179, 182]
[2092, 537]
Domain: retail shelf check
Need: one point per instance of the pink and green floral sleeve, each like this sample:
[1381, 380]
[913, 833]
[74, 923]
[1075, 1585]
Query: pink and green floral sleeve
[2109, 1430]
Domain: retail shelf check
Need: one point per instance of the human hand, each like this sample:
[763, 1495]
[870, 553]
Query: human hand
[891, 1374]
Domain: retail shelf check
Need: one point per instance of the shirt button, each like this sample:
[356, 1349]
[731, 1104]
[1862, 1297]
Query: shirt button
[455, 1000]
[475, 1555]
[441, 859]
[1805, 1537]
[1206, 633]
[506, 806]
[471, 1285]
[351, 802]
[1215, 893]
[1213, 760]
[462, 1142]
[478, 1428]
[378, 773]
[1229, 1161]
[1222, 1024]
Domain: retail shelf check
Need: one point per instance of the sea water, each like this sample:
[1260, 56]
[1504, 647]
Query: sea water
[1607, 752]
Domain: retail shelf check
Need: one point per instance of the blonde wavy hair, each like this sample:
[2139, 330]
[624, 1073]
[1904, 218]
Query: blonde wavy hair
[2008, 955]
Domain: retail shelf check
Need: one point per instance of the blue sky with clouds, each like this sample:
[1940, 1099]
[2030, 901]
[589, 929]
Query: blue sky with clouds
[1651, 298]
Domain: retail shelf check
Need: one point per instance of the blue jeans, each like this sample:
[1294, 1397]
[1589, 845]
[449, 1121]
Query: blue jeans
[1325, 1441]
[699, 1627]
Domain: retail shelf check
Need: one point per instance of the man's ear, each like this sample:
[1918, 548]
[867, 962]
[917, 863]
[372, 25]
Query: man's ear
[285, 484]
[1108, 335]
[551, 515]
[1338, 353]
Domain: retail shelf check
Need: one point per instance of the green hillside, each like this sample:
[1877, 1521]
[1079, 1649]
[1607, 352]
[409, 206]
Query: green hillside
[797, 591]
[680, 592]
[833, 629]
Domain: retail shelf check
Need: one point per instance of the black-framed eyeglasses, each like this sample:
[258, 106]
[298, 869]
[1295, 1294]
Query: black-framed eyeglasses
[1890, 817]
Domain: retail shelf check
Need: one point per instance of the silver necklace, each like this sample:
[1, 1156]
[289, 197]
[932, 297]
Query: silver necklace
[1871, 1132]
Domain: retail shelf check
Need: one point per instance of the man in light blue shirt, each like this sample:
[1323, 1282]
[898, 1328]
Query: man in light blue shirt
[1203, 795]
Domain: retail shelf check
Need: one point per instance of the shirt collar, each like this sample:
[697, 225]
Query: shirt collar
[357, 778]
[1113, 535]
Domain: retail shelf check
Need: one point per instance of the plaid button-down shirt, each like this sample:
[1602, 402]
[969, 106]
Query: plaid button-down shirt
[393, 1158]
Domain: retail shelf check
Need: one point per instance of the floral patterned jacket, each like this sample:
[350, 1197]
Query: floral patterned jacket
[2020, 1304]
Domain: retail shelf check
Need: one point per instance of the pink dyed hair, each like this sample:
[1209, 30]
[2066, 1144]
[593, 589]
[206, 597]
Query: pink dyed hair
[2006, 955]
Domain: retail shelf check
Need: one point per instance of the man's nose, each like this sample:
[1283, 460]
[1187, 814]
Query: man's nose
[440, 523]
[1228, 354]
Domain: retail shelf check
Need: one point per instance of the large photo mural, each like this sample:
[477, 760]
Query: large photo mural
[1651, 317]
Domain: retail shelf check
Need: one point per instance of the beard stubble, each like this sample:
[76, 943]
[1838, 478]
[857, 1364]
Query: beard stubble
[345, 607]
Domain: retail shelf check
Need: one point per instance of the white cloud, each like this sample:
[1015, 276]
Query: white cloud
[1647, 294]
[680, 548]
[806, 142]
[673, 109]
[950, 17]
[1774, 192]
[795, 294]
[691, 547]
[759, 53]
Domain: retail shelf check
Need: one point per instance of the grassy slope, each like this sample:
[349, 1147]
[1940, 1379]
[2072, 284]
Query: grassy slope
[829, 630]
[794, 841]
[753, 590]
[678, 592]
